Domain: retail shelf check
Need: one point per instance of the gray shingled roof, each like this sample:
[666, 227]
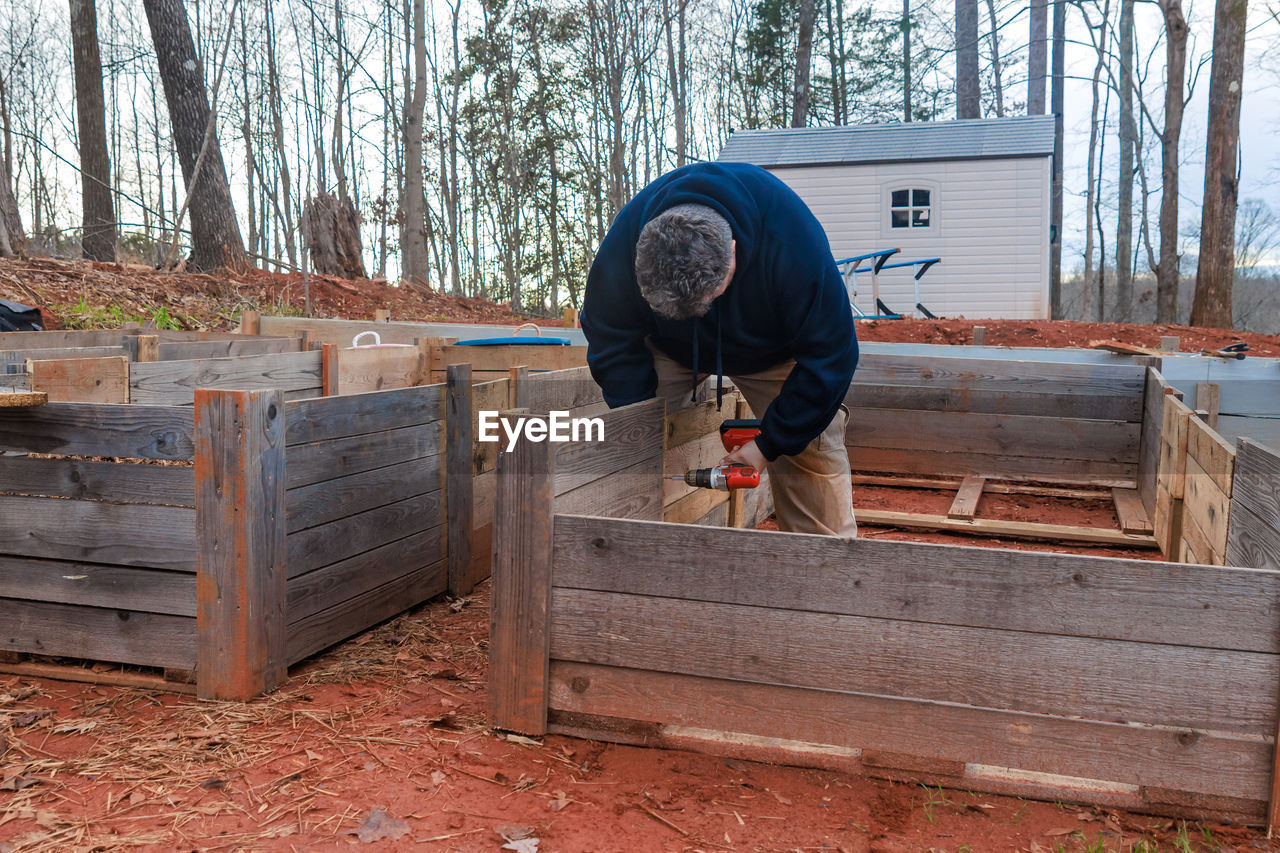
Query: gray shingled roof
[969, 139]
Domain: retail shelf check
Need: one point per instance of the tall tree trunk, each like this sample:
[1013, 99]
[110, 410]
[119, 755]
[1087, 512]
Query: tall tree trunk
[1124, 189]
[1167, 268]
[12, 238]
[1037, 64]
[1216, 272]
[968, 96]
[285, 216]
[1092, 184]
[995, 58]
[1057, 97]
[804, 52]
[906, 60]
[677, 72]
[215, 234]
[414, 261]
[98, 236]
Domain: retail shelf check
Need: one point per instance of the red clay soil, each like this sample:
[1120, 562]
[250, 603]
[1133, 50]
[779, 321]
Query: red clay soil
[382, 741]
[1035, 333]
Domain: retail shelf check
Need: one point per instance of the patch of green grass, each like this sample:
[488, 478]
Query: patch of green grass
[935, 797]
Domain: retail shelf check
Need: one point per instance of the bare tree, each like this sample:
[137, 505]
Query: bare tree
[1212, 303]
[1124, 188]
[1057, 98]
[804, 48]
[215, 234]
[1095, 132]
[906, 57]
[997, 84]
[1037, 60]
[413, 242]
[98, 238]
[968, 96]
[1166, 268]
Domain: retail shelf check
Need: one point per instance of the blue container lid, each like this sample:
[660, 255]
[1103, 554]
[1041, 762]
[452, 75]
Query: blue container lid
[515, 340]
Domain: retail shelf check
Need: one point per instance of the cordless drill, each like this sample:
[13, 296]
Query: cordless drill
[726, 478]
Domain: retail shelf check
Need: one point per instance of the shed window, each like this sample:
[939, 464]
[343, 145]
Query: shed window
[910, 208]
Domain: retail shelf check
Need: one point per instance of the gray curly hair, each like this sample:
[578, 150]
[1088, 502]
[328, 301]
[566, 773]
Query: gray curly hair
[682, 257]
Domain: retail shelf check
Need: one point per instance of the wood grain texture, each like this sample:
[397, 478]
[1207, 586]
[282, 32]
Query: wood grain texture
[173, 383]
[500, 358]
[490, 396]
[52, 353]
[965, 505]
[698, 420]
[1179, 758]
[61, 339]
[162, 537]
[329, 500]
[1005, 467]
[1038, 673]
[143, 347]
[692, 507]
[1009, 435]
[1214, 455]
[987, 374]
[81, 479]
[98, 429]
[331, 585]
[1012, 529]
[97, 585]
[1173, 446]
[82, 380]
[1208, 508]
[1130, 512]
[328, 418]
[631, 434]
[97, 633]
[519, 621]
[367, 369]
[240, 516]
[562, 389]
[350, 535]
[1149, 440]
[1257, 481]
[232, 348]
[1128, 600]
[459, 478]
[342, 457]
[960, 398]
[633, 492]
[704, 451]
[321, 630]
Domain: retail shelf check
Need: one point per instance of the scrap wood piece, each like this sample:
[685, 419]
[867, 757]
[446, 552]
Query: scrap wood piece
[1132, 514]
[965, 504]
[1121, 348]
[1011, 529]
[19, 399]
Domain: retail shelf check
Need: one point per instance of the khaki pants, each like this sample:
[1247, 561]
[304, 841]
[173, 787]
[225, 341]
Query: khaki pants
[812, 491]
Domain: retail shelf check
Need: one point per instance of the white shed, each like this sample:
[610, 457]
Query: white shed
[975, 193]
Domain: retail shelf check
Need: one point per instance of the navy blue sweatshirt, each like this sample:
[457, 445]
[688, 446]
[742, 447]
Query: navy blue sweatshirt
[786, 300]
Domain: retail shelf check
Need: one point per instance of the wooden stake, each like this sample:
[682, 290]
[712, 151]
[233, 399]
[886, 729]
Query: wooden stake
[240, 531]
[329, 371]
[518, 389]
[382, 315]
[979, 336]
[965, 504]
[1208, 397]
[459, 486]
[250, 322]
[570, 318]
[1169, 343]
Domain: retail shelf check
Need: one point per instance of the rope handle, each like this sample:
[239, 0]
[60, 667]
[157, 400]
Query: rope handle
[534, 326]
[377, 339]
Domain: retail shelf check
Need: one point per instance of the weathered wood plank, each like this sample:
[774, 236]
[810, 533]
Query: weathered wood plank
[173, 383]
[1130, 512]
[321, 630]
[1012, 529]
[327, 418]
[342, 332]
[965, 505]
[96, 585]
[702, 452]
[519, 621]
[162, 537]
[1253, 542]
[345, 537]
[1013, 435]
[963, 399]
[1173, 446]
[1215, 456]
[1118, 599]
[97, 633]
[61, 339]
[633, 492]
[1149, 440]
[691, 508]
[82, 380]
[1198, 546]
[81, 479]
[562, 389]
[698, 420]
[329, 500]
[331, 585]
[630, 435]
[1257, 481]
[341, 457]
[499, 358]
[229, 348]
[1208, 397]
[1050, 469]
[1038, 673]
[986, 374]
[1183, 759]
[1206, 506]
[366, 369]
[717, 516]
[99, 429]
[52, 353]
[951, 484]
[491, 396]
[459, 477]
[240, 516]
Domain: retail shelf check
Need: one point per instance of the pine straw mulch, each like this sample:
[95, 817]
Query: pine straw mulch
[83, 294]
[96, 768]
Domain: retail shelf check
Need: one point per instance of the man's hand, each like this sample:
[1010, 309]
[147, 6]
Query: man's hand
[747, 454]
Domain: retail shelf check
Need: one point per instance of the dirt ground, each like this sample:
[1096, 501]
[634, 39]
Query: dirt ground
[381, 742]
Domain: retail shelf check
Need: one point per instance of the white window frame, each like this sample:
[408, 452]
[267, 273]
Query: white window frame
[933, 230]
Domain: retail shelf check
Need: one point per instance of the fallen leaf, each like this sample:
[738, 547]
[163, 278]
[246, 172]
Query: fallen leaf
[438, 778]
[312, 755]
[786, 801]
[524, 845]
[30, 718]
[76, 727]
[1037, 848]
[46, 818]
[18, 782]
[379, 825]
[136, 797]
[213, 783]
[514, 832]
[458, 604]
[1064, 830]
[560, 803]
[527, 741]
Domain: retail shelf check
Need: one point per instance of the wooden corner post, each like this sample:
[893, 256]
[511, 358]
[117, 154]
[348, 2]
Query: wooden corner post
[519, 631]
[240, 529]
[458, 484]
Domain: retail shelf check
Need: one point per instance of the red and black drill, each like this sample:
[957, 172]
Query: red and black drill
[727, 478]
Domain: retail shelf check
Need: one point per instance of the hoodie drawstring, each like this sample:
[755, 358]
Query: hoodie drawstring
[693, 397]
